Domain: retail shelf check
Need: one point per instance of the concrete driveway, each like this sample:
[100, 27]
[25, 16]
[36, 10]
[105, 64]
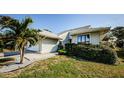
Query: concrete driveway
[29, 59]
[37, 56]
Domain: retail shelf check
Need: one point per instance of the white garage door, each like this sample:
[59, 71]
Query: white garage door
[49, 45]
[34, 48]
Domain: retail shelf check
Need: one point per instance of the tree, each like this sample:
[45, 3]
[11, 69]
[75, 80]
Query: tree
[29, 36]
[11, 29]
[119, 33]
[19, 33]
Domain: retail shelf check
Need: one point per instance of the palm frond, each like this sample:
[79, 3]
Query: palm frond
[20, 31]
[25, 23]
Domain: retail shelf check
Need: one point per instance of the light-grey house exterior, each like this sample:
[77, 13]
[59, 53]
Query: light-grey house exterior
[85, 34]
[48, 44]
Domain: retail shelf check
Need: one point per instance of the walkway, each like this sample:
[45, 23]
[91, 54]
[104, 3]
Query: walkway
[29, 59]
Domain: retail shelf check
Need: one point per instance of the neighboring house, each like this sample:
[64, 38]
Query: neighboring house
[85, 34]
[48, 44]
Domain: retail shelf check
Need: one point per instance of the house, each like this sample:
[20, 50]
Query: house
[85, 34]
[48, 44]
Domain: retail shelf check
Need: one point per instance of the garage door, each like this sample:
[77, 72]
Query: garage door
[34, 48]
[49, 45]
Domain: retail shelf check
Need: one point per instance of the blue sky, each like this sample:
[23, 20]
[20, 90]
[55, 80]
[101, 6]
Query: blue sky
[60, 22]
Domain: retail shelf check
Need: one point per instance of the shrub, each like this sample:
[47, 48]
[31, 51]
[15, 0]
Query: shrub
[92, 53]
[1, 46]
[68, 48]
[62, 52]
[1, 49]
[122, 50]
[6, 59]
[60, 46]
[108, 56]
[120, 43]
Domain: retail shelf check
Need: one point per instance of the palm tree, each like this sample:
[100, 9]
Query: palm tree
[30, 36]
[19, 33]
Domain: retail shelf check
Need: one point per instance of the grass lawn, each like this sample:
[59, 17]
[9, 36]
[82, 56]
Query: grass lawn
[63, 66]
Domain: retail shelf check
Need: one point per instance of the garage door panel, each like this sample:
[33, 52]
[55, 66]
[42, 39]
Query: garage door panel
[34, 48]
[49, 45]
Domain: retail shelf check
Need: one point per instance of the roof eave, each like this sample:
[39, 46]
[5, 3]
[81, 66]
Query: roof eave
[56, 38]
[93, 31]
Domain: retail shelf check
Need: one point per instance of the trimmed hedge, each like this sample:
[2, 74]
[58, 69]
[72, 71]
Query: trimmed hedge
[92, 53]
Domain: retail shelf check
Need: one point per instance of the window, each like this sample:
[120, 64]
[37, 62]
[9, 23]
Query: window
[83, 38]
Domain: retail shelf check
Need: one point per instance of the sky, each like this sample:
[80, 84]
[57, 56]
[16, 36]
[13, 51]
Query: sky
[61, 22]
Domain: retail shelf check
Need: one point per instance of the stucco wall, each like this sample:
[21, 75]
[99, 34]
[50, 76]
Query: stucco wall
[95, 38]
[45, 46]
[74, 39]
[64, 37]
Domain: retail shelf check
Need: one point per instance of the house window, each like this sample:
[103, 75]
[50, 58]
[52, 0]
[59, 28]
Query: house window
[83, 38]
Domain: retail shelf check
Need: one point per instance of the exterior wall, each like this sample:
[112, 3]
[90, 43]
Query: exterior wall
[102, 35]
[74, 39]
[95, 38]
[49, 45]
[34, 48]
[65, 37]
[45, 46]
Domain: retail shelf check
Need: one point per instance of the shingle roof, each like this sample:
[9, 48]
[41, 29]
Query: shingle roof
[49, 34]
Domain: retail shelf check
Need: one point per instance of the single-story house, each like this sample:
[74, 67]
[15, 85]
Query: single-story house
[85, 34]
[48, 44]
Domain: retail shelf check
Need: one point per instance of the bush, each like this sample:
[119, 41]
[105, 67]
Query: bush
[122, 50]
[6, 59]
[120, 43]
[108, 56]
[1, 46]
[92, 53]
[1, 49]
[68, 48]
[60, 46]
[62, 52]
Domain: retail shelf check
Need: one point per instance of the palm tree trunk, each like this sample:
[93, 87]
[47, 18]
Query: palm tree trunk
[22, 55]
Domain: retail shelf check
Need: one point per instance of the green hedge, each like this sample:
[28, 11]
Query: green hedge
[6, 59]
[62, 52]
[1, 50]
[92, 53]
[1, 46]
